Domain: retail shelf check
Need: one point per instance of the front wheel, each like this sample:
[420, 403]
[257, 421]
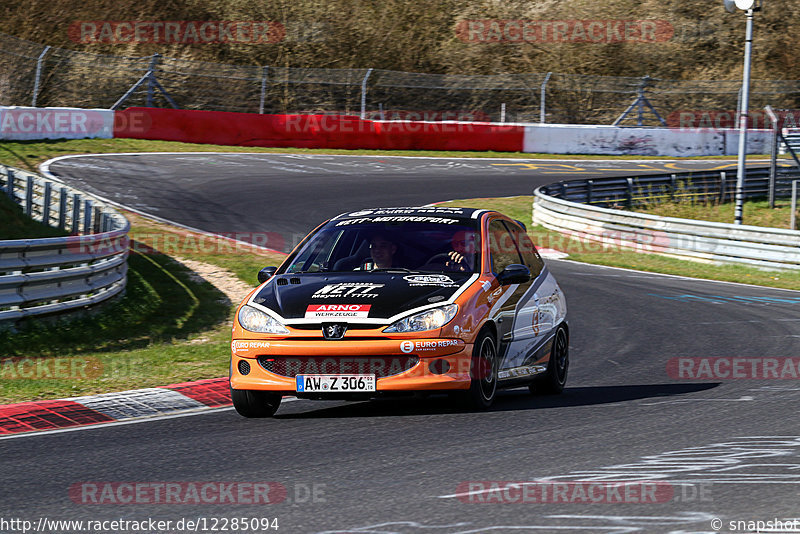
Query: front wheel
[552, 381]
[484, 373]
[253, 403]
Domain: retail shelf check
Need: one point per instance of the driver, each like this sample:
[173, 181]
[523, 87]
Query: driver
[462, 257]
[382, 250]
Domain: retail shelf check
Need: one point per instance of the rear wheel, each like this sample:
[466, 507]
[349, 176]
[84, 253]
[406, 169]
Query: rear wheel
[253, 403]
[552, 381]
[484, 373]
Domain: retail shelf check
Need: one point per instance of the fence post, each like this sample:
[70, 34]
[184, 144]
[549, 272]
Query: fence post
[62, 208]
[48, 187]
[773, 155]
[364, 94]
[673, 185]
[37, 81]
[88, 215]
[629, 193]
[151, 80]
[793, 220]
[76, 213]
[263, 89]
[10, 178]
[29, 196]
[542, 96]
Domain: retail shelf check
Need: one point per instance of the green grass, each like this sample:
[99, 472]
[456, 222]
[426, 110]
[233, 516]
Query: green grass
[588, 252]
[29, 154]
[17, 225]
[755, 213]
[167, 327]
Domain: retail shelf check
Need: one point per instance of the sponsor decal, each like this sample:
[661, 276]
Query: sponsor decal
[361, 213]
[486, 285]
[440, 280]
[398, 219]
[435, 298]
[347, 289]
[337, 311]
[427, 346]
[244, 345]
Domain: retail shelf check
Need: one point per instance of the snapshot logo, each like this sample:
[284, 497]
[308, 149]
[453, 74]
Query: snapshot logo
[564, 31]
[59, 368]
[733, 368]
[348, 124]
[552, 492]
[720, 119]
[177, 243]
[176, 32]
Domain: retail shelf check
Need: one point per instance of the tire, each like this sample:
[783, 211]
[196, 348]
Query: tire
[483, 388]
[553, 380]
[253, 403]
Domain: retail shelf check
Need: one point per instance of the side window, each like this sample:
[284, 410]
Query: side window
[502, 248]
[529, 255]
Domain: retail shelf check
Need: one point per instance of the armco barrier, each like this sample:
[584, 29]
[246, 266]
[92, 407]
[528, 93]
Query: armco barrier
[313, 131]
[59, 274]
[576, 208]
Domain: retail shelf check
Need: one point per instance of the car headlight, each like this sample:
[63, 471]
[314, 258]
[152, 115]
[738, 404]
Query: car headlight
[258, 321]
[427, 320]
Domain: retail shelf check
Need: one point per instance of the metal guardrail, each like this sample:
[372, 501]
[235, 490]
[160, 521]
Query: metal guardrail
[59, 274]
[584, 210]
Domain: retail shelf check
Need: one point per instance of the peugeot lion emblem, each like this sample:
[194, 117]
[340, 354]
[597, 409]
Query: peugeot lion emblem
[333, 331]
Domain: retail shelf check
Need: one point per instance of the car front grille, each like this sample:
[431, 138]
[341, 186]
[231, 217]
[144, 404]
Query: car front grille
[380, 366]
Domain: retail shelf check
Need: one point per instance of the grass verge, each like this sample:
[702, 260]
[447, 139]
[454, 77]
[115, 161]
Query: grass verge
[168, 327]
[755, 213]
[520, 208]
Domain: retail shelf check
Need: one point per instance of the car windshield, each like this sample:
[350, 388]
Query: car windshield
[411, 246]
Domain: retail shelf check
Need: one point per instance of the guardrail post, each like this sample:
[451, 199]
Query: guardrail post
[589, 191]
[62, 208]
[563, 189]
[722, 185]
[29, 196]
[76, 213]
[88, 213]
[673, 186]
[11, 183]
[629, 193]
[48, 187]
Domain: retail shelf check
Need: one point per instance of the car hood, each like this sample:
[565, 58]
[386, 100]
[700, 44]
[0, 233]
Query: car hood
[349, 297]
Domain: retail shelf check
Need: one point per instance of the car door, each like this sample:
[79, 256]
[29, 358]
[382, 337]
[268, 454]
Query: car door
[503, 251]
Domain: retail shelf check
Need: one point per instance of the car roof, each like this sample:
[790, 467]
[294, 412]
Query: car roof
[427, 212]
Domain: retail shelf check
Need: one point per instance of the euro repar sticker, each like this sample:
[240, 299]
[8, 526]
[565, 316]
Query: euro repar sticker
[347, 289]
[440, 280]
[337, 311]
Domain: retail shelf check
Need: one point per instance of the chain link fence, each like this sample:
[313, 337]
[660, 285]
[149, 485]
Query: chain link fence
[33, 74]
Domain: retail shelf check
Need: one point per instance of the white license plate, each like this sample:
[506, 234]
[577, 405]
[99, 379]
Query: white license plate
[335, 383]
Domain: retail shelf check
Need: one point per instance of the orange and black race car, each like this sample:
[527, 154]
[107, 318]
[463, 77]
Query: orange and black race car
[396, 300]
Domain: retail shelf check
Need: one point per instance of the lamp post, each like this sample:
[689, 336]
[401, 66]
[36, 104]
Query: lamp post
[749, 7]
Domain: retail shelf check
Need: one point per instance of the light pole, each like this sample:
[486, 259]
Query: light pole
[748, 6]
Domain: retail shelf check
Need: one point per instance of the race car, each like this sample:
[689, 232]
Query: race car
[394, 301]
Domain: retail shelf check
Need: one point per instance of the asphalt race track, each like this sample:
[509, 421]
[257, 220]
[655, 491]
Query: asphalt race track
[726, 449]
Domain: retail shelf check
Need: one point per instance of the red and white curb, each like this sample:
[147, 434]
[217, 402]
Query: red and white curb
[111, 407]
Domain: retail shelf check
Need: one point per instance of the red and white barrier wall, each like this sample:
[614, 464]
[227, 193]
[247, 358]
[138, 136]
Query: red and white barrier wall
[350, 132]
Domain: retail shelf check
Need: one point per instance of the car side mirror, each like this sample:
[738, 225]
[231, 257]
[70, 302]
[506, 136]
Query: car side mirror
[514, 274]
[265, 274]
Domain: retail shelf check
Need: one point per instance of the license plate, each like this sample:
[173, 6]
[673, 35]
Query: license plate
[335, 383]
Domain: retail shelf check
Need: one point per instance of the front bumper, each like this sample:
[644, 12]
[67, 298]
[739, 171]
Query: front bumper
[441, 364]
